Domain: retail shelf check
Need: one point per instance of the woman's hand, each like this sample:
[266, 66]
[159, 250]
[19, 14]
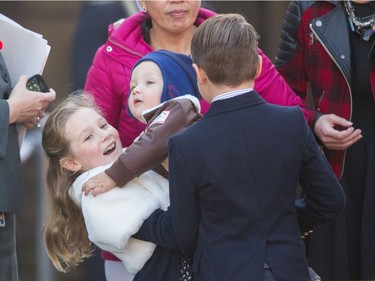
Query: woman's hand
[333, 138]
[26, 106]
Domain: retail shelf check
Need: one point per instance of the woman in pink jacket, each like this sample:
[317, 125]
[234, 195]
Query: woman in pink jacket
[167, 25]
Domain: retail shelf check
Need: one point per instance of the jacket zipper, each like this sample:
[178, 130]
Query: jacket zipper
[347, 82]
[118, 44]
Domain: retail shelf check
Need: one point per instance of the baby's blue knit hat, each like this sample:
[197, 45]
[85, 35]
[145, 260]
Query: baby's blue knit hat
[178, 73]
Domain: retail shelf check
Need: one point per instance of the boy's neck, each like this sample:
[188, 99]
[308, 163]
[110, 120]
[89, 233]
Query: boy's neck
[214, 90]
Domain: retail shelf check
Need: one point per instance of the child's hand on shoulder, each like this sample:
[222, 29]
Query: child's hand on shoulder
[99, 184]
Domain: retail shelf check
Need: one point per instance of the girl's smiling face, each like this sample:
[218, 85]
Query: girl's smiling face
[146, 87]
[93, 142]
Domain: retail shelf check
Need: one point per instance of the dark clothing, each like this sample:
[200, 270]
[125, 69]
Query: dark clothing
[335, 62]
[8, 256]
[11, 178]
[164, 265]
[224, 210]
[304, 62]
[11, 181]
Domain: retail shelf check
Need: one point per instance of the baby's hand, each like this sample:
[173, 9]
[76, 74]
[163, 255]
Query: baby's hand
[99, 184]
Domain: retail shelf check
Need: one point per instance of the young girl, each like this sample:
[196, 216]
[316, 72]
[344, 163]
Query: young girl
[79, 144]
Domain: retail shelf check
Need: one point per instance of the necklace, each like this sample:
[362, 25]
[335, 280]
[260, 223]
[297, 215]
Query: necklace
[361, 26]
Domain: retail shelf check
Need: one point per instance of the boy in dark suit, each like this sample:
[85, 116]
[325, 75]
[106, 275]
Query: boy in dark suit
[234, 173]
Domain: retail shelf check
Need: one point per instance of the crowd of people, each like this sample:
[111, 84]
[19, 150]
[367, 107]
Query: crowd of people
[182, 157]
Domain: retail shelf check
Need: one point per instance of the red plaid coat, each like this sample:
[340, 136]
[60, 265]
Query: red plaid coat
[314, 58]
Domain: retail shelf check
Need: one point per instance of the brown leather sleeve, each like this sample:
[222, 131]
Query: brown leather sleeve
[151, 148]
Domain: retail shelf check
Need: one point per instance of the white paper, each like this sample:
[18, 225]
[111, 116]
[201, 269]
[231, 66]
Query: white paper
[25, 53]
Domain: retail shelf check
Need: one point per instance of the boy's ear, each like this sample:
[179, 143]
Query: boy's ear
[201, 75]
[70, 164]
[259, 67]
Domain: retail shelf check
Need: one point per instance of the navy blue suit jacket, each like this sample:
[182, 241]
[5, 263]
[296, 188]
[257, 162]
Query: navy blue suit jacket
[233, 179]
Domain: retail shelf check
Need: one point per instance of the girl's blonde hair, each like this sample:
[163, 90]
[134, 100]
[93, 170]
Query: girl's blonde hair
[64, 233]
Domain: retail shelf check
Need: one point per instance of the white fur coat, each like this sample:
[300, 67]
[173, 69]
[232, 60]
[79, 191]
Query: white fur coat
[113, 217]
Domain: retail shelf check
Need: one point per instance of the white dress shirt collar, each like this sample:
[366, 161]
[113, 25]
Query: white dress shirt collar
[232, 94]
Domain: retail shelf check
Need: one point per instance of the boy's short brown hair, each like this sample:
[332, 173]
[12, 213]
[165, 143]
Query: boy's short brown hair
[225, 47]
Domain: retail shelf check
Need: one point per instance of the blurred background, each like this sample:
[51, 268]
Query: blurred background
[62, 24]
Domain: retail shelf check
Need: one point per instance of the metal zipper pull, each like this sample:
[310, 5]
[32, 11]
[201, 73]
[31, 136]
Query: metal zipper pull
[311, 38]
